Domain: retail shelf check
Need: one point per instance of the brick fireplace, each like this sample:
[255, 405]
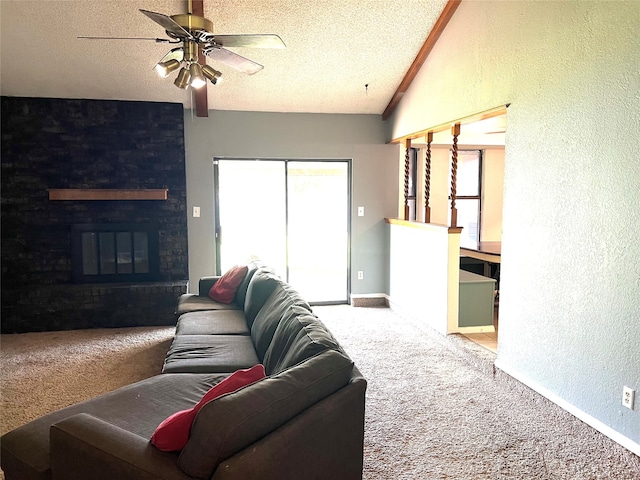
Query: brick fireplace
[89, 146]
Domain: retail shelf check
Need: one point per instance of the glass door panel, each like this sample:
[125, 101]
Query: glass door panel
[252, 220]
[318, 199]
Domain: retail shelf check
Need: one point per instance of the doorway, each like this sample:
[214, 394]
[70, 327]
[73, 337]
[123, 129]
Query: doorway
[292, 215]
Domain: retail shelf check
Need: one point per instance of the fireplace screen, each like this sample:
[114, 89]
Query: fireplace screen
[115, 252]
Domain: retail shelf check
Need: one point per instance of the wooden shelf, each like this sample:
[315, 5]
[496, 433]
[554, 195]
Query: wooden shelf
[108, 194]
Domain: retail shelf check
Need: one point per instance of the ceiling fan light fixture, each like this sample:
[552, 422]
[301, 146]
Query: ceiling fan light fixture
[211, 73]
[197, 79]
[164, 69]
[195, 33]
[183, 79]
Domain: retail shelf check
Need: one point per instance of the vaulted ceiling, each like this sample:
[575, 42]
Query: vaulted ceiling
[341, 56]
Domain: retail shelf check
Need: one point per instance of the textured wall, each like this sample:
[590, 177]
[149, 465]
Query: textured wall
[570, 279]
[58, 143]
[297, 136]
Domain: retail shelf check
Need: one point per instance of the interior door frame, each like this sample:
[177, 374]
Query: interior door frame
[286, 161]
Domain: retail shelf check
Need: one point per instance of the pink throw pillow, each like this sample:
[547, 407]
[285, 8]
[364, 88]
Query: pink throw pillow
[173, 433]
[225, 288]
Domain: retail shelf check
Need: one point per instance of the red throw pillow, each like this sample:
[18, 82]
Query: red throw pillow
[225, 288]
[173, 433]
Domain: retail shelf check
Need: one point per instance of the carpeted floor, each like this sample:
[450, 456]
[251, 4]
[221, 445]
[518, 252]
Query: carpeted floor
[431, 414]
[45, 371]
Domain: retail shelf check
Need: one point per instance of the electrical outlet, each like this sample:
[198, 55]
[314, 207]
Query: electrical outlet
[628, 397]
[360, 275]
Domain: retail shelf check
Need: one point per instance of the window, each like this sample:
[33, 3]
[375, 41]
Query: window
[114, 252]
[468, 194]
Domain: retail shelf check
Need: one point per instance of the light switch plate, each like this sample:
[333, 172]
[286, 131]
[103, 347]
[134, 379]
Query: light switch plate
[361, 211]
[196, 212]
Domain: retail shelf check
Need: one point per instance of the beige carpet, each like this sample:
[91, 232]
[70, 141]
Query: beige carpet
[45, 371]
[430, 413]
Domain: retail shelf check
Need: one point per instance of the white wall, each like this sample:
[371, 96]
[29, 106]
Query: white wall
[296, 136]
[492, 193]
[421, 256]
[570, 275]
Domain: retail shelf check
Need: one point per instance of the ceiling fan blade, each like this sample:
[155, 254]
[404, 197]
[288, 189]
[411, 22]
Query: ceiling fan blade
[157, 40]
[168, 24]
[234, 60]
[253, 41]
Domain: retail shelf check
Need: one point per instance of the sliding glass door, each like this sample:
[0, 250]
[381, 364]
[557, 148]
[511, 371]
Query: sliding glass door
[293, 215]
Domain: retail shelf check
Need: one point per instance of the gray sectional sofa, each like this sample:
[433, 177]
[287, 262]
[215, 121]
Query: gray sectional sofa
[305, 420]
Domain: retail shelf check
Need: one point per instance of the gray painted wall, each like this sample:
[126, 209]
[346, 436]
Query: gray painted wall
[570, 278]
[297, 136]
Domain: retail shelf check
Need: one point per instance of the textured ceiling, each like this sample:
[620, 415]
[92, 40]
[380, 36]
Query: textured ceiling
[334, 48]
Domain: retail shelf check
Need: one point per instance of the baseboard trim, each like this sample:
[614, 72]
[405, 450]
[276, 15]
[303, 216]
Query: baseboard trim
[479, 329]
[369, 300]
[572, 409]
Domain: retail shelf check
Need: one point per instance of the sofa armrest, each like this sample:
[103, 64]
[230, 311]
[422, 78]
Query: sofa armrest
[324, 441]
[83, 446]
[205, 284]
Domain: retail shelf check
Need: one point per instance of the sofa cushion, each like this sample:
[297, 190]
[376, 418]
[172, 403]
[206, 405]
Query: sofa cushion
[241, 293]
[205, 283]
[224, 290]
[212, 322]
[230, 423]
[274, 309]
[190, 302]
[260, 287]
[172, 434]
[299, 335]
[25, 450]
[210, 354]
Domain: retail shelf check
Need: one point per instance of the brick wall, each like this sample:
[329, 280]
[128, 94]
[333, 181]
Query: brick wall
[62, 143]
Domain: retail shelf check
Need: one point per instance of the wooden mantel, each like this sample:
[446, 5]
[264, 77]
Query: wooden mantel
[108, 194]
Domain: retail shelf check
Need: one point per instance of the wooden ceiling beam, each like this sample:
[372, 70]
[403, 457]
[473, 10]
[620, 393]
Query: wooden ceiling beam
[200, 94]
[424, 52]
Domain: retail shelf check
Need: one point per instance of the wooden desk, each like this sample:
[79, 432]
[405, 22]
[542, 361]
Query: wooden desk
[488, 252]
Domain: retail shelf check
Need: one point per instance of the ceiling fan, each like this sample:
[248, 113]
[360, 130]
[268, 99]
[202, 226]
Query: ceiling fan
[195, 34]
